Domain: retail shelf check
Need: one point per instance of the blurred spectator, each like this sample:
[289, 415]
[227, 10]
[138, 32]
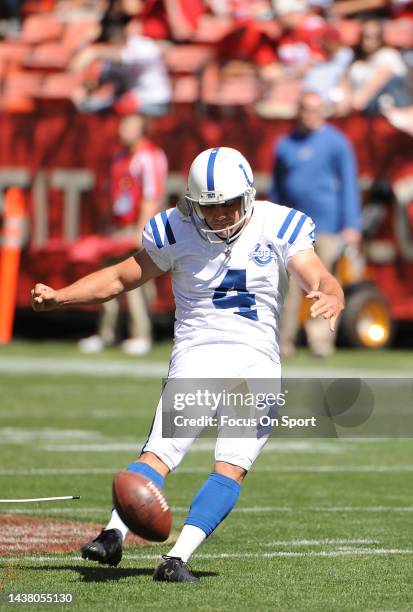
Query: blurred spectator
[247, 42]
[298, 46]
[239, 10]
[401, 9]
[401, 118]
[10, 17]
[361, 9]
[298, 49]
[169, 19]
[325, 76]
[373, 9]
[137, 184]
[73, 9]
[321, 7]
[315, 172]
[377, 75]
[232, 79]
[133, 65]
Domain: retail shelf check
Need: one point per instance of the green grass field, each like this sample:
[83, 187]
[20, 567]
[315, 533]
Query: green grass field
[321, 524]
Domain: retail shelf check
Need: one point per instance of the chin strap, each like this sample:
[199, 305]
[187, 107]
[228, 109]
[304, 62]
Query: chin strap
[231, 234]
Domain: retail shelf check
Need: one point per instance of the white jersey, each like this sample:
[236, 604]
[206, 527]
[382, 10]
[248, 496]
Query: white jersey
[145, 70]
[229, 294]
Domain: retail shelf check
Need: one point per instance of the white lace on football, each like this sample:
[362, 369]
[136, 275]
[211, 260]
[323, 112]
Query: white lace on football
[161, 499]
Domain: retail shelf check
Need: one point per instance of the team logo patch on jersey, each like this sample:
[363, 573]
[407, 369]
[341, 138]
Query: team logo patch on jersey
[263, 255]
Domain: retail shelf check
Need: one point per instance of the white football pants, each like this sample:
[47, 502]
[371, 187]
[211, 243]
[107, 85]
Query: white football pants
[214, 362]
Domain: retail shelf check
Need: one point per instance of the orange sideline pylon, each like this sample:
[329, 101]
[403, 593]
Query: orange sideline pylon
[12, 241]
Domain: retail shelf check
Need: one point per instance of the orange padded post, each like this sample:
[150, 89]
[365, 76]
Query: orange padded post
[12, 241]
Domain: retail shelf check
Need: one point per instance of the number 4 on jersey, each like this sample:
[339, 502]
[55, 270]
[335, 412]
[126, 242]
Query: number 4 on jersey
[235, 281]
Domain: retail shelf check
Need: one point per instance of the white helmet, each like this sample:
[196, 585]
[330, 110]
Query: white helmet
[218, 175]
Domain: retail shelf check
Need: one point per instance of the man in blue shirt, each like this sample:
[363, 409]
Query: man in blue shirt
[315, 172]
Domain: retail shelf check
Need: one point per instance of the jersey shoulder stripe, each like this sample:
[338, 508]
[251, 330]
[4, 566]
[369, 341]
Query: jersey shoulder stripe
[155, 233]
[287, 222]
[292, 223]
[297, 228]
[168, 228]
[162, 230]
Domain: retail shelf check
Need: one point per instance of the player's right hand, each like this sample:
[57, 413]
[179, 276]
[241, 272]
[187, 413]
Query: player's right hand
[43, 298]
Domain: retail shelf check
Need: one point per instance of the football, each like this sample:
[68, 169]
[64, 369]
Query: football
[142, 506]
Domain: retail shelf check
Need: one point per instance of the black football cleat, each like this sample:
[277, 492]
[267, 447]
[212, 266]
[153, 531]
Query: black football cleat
[106, 548]
[173, 569]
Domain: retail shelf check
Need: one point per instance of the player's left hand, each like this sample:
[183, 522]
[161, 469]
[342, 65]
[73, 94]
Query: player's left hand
[326, 306]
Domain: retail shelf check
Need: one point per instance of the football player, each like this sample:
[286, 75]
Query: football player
[230, 258]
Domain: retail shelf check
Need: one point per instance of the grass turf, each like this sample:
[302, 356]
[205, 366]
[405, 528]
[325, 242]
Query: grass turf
[300, 538]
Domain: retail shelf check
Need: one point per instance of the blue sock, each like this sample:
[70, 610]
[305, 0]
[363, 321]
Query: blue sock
[213, 502]
[146, 470]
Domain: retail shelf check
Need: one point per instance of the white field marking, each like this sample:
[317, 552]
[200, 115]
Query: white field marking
[76, 512]
[326, 372]
[86, 367]
[247, 555]
[105, 447]
[328, 541]
[132, 446]
[11, 541]
[103, 444]
[316, 446]
[369, 469]
[270, 509]
[58, 471]
[17, 435]
[334, 469]
[364, 509]
[40, 499]
[246, 510]
[70, 388]
[157, 369]
[59, 530]
[79, 414]
[311, 553]
[302, 446]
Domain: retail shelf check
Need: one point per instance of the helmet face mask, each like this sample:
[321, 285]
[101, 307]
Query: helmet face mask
[217, 176]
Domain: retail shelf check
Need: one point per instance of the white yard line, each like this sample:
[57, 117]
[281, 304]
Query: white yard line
[57, 471]
[78, 510]
[73, 511]
[316, 469]
[156, 369]
[328, 541]
[312, 553]
[82, 367]
[107, 447]
[350, 552]
[21, 435]
[301, 446]
[104, 447]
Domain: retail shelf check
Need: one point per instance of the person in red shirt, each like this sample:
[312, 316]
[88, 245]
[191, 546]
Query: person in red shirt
[137, 187]
[299, 45]
[171, 19]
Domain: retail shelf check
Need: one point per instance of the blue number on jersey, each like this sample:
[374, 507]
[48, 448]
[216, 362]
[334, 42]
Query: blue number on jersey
[235, 280]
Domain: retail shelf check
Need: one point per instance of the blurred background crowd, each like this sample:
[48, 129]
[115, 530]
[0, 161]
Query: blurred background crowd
[104, 104]
[136, 55]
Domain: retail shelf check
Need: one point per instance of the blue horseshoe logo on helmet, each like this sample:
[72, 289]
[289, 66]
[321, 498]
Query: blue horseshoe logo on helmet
[250, 184]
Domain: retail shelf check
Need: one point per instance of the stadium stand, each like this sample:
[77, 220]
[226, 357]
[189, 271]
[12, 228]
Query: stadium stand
[41, 29]
[230, 49]
[257, 33]
[230, 83]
